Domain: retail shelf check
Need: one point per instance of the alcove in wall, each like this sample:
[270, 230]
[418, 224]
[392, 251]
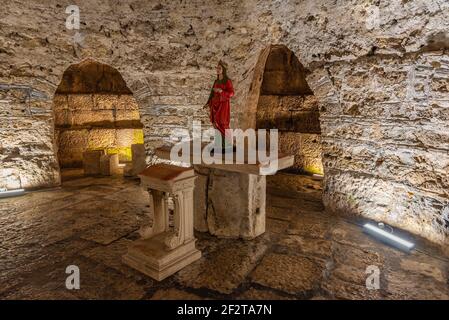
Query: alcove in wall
[94, 110]
[287, 103]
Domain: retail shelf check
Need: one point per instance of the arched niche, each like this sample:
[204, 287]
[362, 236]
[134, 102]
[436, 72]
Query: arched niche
[287, 103]
[94, 110]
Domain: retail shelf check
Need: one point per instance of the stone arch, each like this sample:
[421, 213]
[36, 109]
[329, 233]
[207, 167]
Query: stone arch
[94, 109]
[281, 98]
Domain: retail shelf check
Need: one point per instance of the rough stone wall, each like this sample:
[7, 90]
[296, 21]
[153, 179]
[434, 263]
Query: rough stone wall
[391, 132]
[95, 121]
[27, 157]
[306, 147]
[385, 143]
[289, 113]
[297, 119]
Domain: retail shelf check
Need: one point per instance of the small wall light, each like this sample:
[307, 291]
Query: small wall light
[12, 193]
[388, 237]
[317, 176]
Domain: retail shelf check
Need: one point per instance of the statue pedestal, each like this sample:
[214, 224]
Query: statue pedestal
[167, 243]
[230, 198]
[229, 204]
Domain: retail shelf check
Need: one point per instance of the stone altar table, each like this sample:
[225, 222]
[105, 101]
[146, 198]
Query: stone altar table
[230, 198]
[164, 248]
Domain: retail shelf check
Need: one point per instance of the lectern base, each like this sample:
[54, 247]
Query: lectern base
[153, 259]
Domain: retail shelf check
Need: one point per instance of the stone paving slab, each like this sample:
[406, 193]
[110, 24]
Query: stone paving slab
[226, 268]
[292, 274]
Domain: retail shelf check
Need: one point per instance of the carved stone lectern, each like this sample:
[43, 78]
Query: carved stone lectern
[167, 243]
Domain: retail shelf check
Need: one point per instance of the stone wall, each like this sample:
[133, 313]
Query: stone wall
[385, 145]
[95, 121]
[377, 68]
[297, 119]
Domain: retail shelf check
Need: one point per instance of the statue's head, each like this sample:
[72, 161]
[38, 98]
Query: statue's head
[221, 69]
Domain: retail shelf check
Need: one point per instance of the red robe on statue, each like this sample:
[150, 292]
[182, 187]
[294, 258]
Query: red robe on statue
[220, 106]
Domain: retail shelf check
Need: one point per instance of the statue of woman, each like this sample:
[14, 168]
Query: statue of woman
[220, 106]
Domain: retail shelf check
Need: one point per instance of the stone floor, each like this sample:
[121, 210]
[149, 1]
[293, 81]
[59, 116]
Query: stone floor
[305, 253]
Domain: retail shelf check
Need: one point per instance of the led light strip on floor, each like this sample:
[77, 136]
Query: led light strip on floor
[388, 237]
[11, 193]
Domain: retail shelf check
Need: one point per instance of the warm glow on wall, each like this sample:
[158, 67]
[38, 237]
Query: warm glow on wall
[124, 152]
[315, 169]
